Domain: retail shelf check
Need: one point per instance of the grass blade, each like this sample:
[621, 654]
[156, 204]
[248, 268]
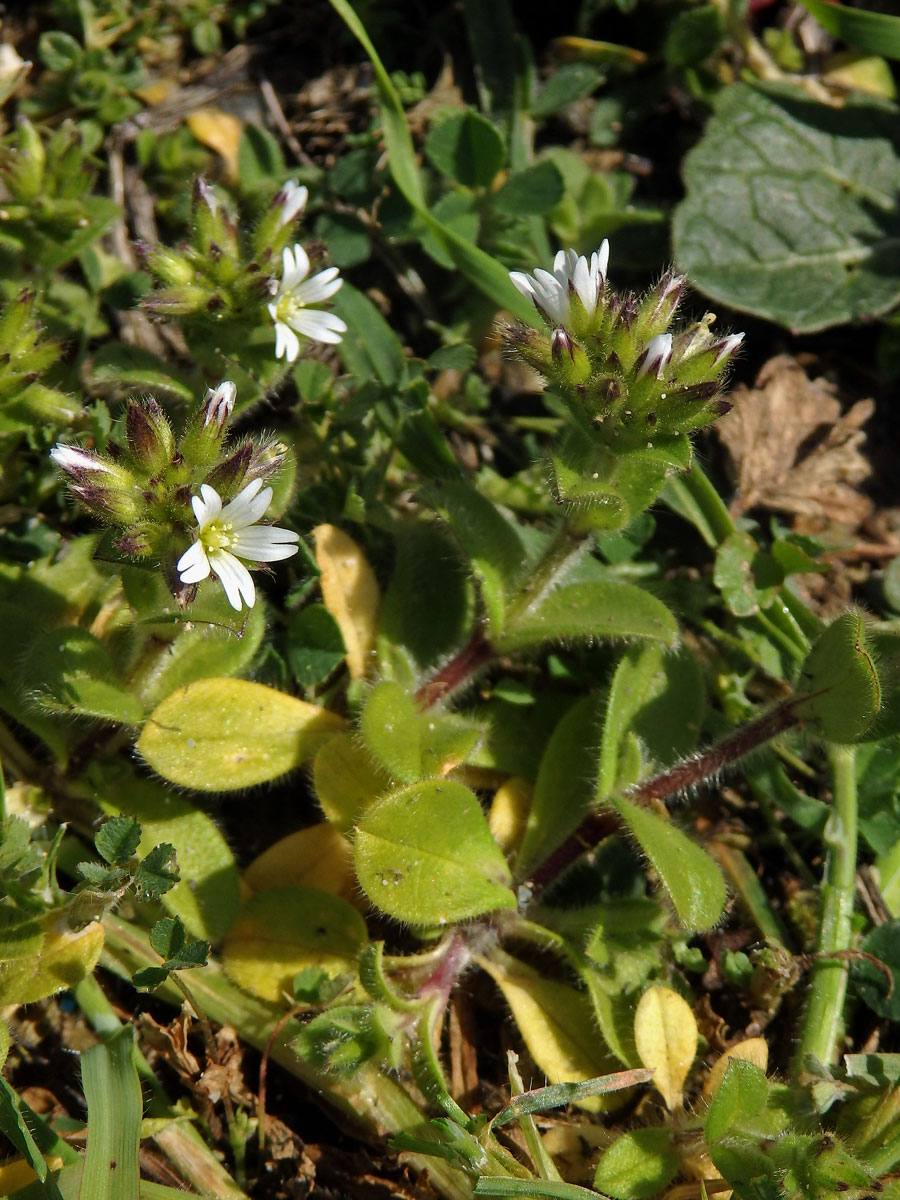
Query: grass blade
[871, 32]
[113, 1094]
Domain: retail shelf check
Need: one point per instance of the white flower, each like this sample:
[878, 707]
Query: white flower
[656, 356]
[726, 347]
[571, 273]
[226, 535]
[219, 404]
[292, 200]
[293, 309]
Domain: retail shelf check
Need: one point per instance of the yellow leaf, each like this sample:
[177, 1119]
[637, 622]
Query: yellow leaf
[665, 1034]
[318, 857]
[65, 958]
[221, 132]
[282, 931]
[753, 1050]
[350, 593]
[346, 780]
[557, 1025]
[19, 1174]
[509, 810]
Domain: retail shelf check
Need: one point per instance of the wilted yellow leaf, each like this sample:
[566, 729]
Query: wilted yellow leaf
[753, 1050]
[557, 1025]
[221, 132]
[346, 780]
[318, 857]
[509, 809]
[350, 593]
[64, 959]
[665, 1034]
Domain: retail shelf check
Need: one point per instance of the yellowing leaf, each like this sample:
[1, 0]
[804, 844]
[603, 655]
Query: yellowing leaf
[220, 131]
[557, 1025]
[350, 593]
[346, 780]
[19, 1174]
[665, 1034]
[286, 929]
[753, 1050]
[64, 959]
[220, 734]
[318, 857]
[509, 811]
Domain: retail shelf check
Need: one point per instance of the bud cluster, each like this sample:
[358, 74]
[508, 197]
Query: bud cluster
[144, 489]
[24, 400]
[634, 385]
[221, 276]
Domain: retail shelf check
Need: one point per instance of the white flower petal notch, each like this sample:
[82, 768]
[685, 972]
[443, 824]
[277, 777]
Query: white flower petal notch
[227, 534]
[295, 305]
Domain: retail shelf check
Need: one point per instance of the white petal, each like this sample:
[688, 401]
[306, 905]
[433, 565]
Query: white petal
[234, 577]
[603, 257]
[319, 288]
[287, 344]
[552, 296]
[318, 326]
[193, 564]
[265, 544]
[248, 505]
[524, 283]
[292, 198]
[296, 267]
[584, 284]
[207, 505]
[73, 458]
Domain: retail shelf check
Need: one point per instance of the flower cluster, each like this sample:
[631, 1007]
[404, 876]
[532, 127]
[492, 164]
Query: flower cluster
[156, 492]
[225, 276]
[635, 386]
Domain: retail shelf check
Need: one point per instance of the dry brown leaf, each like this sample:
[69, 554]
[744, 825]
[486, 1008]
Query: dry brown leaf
[792, 450]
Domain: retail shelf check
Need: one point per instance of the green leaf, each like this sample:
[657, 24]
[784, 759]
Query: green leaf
[118, 838]
[691, 878]
[59, 51]
[658, 696]
[531, 191]
[466, 147]
[746, 578]
[112, 1090]
[791, 210]
[564, 787]
[429, 606]
[341, 1040]
[425, 855]
[693, 35]
[157, 874]
[489, 541]
[568, 83]
[638, 1165]
[871, 984]
[391, 729]
[74, 669]
[20, 933]
[370, 347]
[260, 161]
[315, 646]
[741, 1096]
[873, 32]
[208, 894]
[168, 937]
[217, 735]
[599, 609]
[134, 367]
[15, 1129]
[840, 692]
[285, 930]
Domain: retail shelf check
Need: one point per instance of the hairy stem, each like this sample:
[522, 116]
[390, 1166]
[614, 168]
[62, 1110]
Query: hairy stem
[823, 1020]
[684, 775]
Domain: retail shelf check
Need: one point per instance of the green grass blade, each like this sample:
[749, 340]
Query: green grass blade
[871, 32]
[488, 275]
[12, 1124]
[506, 1186]
[112, 1090]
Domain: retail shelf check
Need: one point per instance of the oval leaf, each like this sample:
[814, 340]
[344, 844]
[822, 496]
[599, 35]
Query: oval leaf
[665, 1034]
[842, 692]
[346, 780]
[638, 1165]
[350, 593]
[318, 857]
[692, 879]
[425, 855]
[220, 734]
[597, 609]
[283, 931]
[64, 959]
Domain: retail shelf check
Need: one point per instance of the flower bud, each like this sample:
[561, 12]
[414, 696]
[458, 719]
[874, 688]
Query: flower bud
[572, 366]
[232, 471]
[169, 266]
[149, 435]
[205, 433]
[82, 465]
[726, 347]
[218, 405]
[656, 357]
[134, 543]
[292, 201]
[25, 175]
[117, 506]
[268, 459]
[530, 345]
[658, 306]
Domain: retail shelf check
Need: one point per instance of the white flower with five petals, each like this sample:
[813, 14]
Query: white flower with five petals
[572, 273]
[294, 307]
[225, 535]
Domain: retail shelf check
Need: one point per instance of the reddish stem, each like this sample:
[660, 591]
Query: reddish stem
[684, 775]
[476, 654]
